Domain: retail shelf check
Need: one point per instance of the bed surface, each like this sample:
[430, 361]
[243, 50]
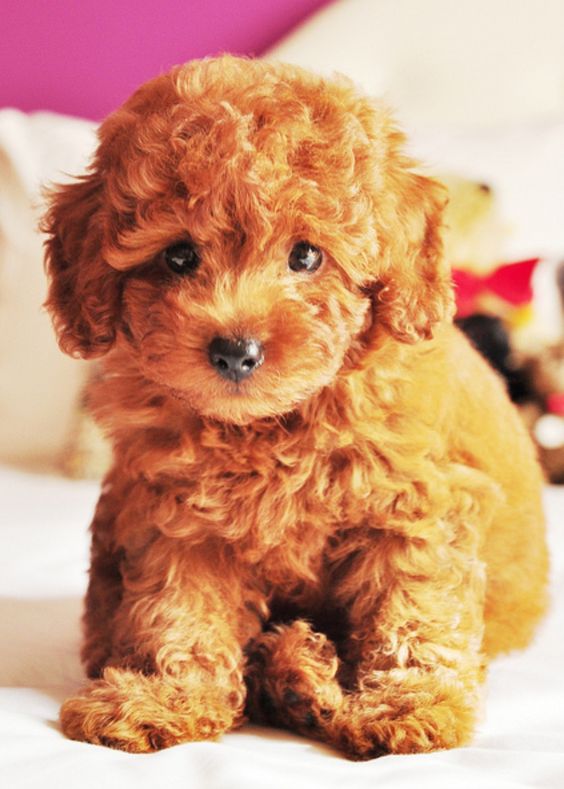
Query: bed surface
[43, 563]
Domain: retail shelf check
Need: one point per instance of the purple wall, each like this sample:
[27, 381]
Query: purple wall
[84, 57]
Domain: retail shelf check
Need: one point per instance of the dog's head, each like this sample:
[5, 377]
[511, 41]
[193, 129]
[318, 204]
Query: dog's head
[243, 229]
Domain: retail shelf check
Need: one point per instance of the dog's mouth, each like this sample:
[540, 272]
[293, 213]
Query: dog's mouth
[231, 389]
[239, 402]
[227, 400]
[214, 383]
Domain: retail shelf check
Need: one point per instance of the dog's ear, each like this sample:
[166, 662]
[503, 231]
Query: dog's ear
[83, 296]
[414, 290]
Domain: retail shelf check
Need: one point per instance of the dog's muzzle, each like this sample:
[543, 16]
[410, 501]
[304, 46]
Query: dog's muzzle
[235, 360]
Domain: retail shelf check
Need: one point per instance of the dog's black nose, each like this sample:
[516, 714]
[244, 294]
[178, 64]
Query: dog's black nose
[235, 359]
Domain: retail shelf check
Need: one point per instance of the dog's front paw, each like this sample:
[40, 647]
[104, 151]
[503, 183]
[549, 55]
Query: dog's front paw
[368, 726]
[96, 716]
[132, 712]
[91, 718]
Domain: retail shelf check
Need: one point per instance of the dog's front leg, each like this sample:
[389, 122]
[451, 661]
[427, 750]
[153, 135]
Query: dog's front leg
[175, 673]
[414, 646]
[105, 588]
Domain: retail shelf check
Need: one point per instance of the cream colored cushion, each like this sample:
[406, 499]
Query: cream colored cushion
[476, 62]
[39, 386]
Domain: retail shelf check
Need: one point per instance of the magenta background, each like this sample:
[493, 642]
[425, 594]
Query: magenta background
[84, 57]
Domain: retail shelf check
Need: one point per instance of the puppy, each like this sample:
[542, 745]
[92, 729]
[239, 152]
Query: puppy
[323, 512]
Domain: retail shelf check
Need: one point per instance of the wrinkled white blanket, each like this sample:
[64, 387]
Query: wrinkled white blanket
[43, 561]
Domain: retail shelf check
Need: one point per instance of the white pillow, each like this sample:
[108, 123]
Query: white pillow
[479, 62]
[39, 386]
[524, 164]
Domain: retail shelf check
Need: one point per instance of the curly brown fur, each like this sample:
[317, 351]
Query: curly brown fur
[338, 542]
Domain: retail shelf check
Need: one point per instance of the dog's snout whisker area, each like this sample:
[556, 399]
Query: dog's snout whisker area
[237, 359]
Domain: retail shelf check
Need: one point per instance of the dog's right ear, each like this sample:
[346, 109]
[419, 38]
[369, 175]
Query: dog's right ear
[84, 291]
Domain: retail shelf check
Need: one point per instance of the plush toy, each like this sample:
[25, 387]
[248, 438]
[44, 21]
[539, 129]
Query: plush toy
[544, 412]
[489, 334]
[474, 230]
[484, 283]
[512, 313]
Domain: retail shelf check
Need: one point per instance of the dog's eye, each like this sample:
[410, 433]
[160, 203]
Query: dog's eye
[305, 257]
[182, 258]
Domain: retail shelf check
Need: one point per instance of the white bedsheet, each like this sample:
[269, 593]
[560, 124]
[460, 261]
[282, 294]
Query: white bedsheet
[43, 561]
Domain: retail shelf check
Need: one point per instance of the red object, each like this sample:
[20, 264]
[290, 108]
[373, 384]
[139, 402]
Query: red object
[510, 282]
[555, 403]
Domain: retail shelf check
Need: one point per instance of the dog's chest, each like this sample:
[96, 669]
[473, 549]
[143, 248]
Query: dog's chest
[279, 514]
[275, 510]
[278, 504]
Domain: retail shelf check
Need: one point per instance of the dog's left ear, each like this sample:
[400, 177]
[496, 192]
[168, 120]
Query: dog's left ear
[83, 296]
[414, 290]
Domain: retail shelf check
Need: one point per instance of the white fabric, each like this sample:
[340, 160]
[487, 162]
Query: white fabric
[524, 164]
[475, 62]
[39, 386]
[43, 562]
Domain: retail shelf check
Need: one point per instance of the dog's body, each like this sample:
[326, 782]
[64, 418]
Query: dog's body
[335, 536]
